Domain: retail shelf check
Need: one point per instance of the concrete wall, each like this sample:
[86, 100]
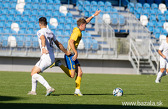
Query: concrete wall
[88, 66]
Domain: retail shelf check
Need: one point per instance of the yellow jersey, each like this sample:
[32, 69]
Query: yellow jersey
[76, 36]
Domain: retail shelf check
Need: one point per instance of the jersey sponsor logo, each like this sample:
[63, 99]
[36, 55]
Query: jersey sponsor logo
[39, 34]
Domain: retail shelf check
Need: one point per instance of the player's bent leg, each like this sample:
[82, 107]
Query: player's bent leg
[39, 78]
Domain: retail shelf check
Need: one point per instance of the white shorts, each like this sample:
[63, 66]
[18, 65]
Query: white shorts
[163, 63]
[45, 61]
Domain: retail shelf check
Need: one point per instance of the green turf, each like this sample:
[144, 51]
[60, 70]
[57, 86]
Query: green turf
[97, 90]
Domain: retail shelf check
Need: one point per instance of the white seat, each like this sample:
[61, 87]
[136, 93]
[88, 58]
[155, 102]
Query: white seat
[165, 26]
[106, 18]
[162, 38]
[144, 20]
[54, 22]
[20, 8]
[63, 9]
[162, 7]
[15, 27]
[81, 45]
[21, 2]
[12, 41]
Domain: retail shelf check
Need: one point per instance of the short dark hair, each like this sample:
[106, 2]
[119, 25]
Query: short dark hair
[43, 20]
[167, 35]
[81, 21]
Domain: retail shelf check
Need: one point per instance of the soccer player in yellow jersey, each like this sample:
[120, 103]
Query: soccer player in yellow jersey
[71, 60]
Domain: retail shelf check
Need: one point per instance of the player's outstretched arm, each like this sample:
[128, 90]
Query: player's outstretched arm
[61, 47]
[91, 17]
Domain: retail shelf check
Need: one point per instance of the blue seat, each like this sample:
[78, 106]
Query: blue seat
[131, 7]
[161, 19]
[154, 6]
[100, 3]
[107, 3]
[43, 1]
[86, 3]
[95, 45]
[87, 44]
[159, 26]
[152, 13]
[146, 6]
[50, 1]
[150, 26]
[156, 32]
[145, 12]
[152, 17]
[35, 1]
[93, 3]
[121, 20]
[5, 41]
[138, 5]
[164, 32]
[114, 19]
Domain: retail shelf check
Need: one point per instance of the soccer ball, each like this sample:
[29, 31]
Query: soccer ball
[117, 92]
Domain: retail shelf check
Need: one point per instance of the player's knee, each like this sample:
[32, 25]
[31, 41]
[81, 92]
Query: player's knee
[162, 70]
[80, 74]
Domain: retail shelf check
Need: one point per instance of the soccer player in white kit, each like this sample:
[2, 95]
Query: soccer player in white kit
[163, 52]
[46, 39]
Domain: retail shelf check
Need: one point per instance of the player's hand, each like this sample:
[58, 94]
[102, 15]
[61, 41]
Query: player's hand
[74, 57]
[44, 51]
[68, 53]
[97, 12]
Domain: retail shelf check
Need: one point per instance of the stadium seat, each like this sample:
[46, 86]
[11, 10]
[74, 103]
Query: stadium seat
[156, 32]
[154, 7]
[162, 8]
[162, 38]
[159, 26]
[87, 44]
[107, 3]
[20, 8]
[15, 27]
[145, 12]
[150, 26]
[5, 41]
[20, 42]
[93, 3]
[161, 19]
[54, 22]
[100, 3]
[121, 20]
[106, 18]
[63, 10]
[12, 41]
[138, 5]
[95, 45]
[165, 26]
[144, 20]
[164, 32]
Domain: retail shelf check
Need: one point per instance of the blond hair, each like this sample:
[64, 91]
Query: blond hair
[81, 21]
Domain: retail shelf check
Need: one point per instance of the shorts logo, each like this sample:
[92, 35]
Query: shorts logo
[73, 66]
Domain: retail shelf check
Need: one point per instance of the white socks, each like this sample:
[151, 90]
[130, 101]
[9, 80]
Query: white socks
[34, 84]
[39, 78]
[158, 76]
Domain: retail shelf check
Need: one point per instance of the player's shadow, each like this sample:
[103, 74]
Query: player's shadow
[9, 98]
[135, 94]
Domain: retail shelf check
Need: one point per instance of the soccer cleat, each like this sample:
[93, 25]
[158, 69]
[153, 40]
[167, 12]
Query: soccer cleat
[49, 91]
[156, 81]
[56, 63]
[32, 93]
[78, 93]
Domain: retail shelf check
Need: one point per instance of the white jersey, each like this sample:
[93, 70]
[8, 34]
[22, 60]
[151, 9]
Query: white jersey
[49, 38]
[164, 48]
[46, 59]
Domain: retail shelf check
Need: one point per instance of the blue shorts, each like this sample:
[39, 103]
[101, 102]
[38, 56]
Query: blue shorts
[70, 63]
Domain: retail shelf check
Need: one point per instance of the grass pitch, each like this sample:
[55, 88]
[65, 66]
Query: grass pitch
[141, 90]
